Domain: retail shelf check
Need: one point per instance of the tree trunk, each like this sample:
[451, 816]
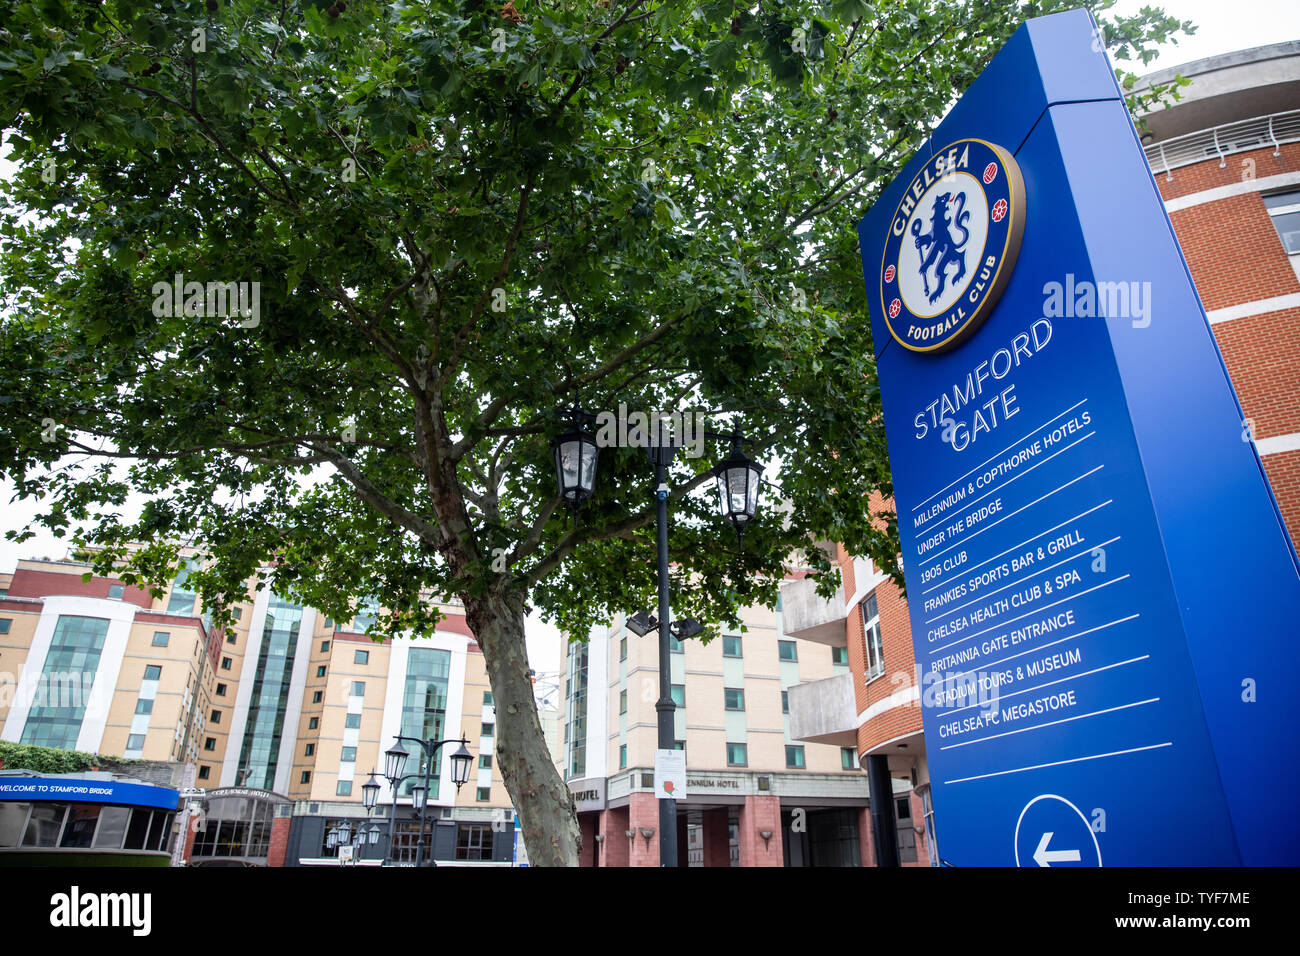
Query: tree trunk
[540, 796]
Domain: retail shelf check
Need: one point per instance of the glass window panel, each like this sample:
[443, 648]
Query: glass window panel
[112, 827]
[55, 719]
[13, 818]
[138, 830]
[79, 829]
[44, 824]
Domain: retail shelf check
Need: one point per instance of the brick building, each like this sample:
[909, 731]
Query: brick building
[1226, 158]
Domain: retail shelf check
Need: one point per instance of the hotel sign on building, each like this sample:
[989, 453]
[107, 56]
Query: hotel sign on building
[588, 794]
[1073, 479]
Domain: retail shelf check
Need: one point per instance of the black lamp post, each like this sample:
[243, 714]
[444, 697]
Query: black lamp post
[395, 762]
[738, 485]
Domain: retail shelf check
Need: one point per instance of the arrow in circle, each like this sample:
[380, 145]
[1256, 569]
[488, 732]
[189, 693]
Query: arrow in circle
[1045, 857]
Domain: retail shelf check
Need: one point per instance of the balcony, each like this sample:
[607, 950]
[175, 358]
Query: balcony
[810, 617]
[824, 711]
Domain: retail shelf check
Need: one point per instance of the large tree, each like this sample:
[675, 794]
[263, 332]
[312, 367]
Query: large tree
[463, 217]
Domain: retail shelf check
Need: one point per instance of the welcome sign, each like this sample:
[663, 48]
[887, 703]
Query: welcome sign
[1101, 590]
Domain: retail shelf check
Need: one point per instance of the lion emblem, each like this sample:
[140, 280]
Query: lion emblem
[939, 248]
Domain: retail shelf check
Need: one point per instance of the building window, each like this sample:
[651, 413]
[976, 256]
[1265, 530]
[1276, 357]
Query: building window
[622, 702]
[181, 601]
[839, 655]
[232, 637]
[361, 657]
[204, 772]
[474, 841]
[679, 694]
[873, 653]
[488, 698]
[734, 698]
[216, 717]
[320, 671]
[736, 756]
[485, 761]
[309, 750]
[221, 690]
[794, 757]
[313, 723]
[575, 710]
[5, 624]
[324, 646]
[306, 777]
[226, 663]
[622, 757]
[135, 742]
[115, 591]
[349, 755]
[344, 789]
[152, 672]
[787, 651]
[237, 613]
[1284, 210]
[730, 645]
[210, 743]
[316, 697]
[144, 706]
[679, 745]
[358, 688]
[848, 758]
[676, 646]
[353, 721]
[785, 702]
[161, 638]
[488, 730]
[622, 648]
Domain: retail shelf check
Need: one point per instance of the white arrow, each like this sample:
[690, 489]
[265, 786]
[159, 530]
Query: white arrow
[1045, 857]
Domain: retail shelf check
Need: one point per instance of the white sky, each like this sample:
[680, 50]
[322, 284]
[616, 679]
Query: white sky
[1222, 28]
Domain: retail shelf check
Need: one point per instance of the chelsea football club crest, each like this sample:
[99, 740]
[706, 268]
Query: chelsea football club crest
[952, 245]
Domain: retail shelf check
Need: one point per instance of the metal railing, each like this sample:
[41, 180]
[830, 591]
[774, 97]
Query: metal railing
[1222, 141]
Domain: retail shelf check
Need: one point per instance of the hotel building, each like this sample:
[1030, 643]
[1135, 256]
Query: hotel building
[756, 794]
[283, 716]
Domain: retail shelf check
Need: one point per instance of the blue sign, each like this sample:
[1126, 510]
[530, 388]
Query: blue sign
[71, 790]
[1102, 592]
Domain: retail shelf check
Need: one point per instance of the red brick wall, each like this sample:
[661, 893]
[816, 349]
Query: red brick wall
[1283, 472]
[279, 841]
[643, 813]
[33, 584]
[1233, 251]
[1262, 353]
[614, 825]
[760, 813]
[1235, 256]
[1207, 175]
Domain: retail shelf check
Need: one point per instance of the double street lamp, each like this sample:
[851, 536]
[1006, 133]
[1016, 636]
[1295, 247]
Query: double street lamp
[345, 834]
[738, 479]
[395, 762]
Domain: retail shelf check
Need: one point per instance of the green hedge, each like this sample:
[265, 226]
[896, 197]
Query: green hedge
[53, 760]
